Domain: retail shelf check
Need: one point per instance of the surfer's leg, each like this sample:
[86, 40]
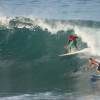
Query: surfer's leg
[75, 44]
[70, 45]
[69, 49]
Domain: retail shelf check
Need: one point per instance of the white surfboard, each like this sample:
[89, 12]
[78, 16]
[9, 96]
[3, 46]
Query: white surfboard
[76, 52]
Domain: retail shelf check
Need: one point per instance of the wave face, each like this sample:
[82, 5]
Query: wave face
[29, 50]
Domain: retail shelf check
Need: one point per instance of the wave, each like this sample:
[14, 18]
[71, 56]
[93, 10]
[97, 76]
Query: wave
[29, 50]
[87, 30]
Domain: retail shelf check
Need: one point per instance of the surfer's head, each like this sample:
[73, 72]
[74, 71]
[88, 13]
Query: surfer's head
[90, 58]
[71, 31]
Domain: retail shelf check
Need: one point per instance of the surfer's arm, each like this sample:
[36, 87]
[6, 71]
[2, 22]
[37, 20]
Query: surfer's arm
[97, 63]
[90, 66]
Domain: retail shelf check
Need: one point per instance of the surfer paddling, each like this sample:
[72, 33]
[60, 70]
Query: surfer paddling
[94, 63]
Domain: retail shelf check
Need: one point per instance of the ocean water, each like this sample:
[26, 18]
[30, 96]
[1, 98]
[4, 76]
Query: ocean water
[31, 40]
[52, 9]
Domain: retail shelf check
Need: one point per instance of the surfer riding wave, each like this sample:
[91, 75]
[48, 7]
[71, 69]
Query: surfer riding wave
[72, 41]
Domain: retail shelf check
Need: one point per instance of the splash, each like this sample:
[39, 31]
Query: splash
[91, 37]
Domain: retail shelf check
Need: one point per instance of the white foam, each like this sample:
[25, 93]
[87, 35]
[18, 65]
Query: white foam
[91, 37]
[51, 96]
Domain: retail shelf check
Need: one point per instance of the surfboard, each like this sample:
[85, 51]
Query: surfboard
[76, 52]
[96, 76]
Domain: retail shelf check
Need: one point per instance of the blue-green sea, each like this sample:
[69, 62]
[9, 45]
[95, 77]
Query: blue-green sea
[33, 34]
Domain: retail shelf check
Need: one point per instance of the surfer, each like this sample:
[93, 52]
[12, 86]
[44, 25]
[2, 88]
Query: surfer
[72, 41]
[94, 63]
